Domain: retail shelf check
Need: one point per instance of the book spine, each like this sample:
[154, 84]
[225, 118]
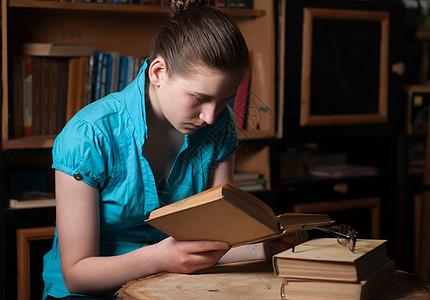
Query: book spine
[45, 95]
[98, 76]
[104, 70]
[123, 65]
[82, 82]
[241, 99]
[72, 87]
[131, 73]
[220, 3]
[90, 80]
[108, 74]
[231, 3]
[115, 72]
[28, 96]
[18, 95]
[54, 95]
[62, 90]
[37, 94]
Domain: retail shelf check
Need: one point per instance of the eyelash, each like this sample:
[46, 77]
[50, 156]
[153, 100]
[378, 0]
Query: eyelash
[200, 99]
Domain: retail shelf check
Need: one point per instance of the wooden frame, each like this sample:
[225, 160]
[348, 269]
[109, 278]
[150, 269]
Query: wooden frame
[23, 239]
[373, 203]
[417, 108]
[306, 118]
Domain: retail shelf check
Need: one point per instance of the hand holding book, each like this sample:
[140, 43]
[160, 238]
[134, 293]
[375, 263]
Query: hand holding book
[227, 213]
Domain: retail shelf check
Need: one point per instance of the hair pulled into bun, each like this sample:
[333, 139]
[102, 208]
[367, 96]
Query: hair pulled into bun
[199, 33]
[177, 6]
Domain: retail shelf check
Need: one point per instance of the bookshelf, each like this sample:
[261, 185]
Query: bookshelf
[130, 30]
[115, 28]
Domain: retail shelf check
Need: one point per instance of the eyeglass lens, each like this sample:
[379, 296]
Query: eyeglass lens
[351, 233]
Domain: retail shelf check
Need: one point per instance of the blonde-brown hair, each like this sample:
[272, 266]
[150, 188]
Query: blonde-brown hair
[200, 33]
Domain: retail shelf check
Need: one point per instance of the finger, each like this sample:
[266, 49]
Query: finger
[205, 246]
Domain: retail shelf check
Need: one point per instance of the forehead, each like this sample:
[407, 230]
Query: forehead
[209, 81]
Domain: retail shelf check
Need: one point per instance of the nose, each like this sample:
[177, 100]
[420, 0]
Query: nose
[208, 113]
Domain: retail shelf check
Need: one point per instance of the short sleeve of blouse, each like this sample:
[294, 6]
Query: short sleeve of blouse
[78, 152]
[226, 135]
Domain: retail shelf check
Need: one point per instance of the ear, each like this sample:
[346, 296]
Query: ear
[157, 71]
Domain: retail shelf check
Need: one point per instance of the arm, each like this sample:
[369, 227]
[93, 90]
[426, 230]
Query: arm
[85, 272]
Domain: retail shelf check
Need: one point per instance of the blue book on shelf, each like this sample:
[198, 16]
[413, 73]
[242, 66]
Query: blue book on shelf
[99, 86]
[108, 74]
[123, 66]
[131, 69]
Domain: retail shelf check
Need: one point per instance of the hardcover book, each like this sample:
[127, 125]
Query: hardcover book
[227, 213]
[369, 287]
[326, 259]
[27, 110]
[52, 49]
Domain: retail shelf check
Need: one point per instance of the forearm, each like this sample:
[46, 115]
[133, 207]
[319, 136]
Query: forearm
[98, 275]
[102, 275]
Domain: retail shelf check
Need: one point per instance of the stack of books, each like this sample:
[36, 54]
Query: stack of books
[249, 181]
[324, 269]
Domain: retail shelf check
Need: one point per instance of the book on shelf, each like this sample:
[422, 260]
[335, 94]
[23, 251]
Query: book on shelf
[77, 85]
[113, 72]
[341, 170]
[53, 49]
[17, 95]
[54, 96]
[240, 102]
[227, 213]
[326, 259]
[246, 176]
[37, 96]
[367, 288]
[32, 200]
[45, 92]
[63, 79]
[27, 110]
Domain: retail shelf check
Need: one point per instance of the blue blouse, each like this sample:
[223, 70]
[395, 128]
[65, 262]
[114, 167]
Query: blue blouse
[103, 145]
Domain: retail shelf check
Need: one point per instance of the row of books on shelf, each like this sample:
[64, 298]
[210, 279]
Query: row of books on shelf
[48, 88]
[249, 181]
[248, 4]
[51, 82]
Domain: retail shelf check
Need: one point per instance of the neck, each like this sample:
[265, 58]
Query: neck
[153, 100]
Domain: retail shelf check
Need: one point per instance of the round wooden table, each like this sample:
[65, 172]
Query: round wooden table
[246, 280]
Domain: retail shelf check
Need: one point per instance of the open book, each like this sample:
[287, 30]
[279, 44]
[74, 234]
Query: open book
[227, 213]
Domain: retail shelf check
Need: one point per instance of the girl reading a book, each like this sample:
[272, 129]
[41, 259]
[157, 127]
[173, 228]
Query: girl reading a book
[168, 135]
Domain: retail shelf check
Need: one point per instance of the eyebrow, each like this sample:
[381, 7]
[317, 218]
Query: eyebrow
[211, 97]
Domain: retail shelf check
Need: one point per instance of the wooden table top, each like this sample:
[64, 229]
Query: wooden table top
[245, 280]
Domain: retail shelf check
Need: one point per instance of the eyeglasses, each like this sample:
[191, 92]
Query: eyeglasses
[345, 235]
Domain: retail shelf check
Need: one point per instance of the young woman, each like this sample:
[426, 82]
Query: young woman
[166, 136]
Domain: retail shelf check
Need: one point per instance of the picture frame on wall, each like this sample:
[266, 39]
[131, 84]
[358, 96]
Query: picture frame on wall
[344, 67]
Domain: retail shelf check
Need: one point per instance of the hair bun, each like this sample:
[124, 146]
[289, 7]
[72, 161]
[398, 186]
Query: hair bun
[182, 5]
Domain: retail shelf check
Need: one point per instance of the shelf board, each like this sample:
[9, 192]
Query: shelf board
[47, 141]
[29, 142]
[150, 10]
[254, 134]
[423, 35]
